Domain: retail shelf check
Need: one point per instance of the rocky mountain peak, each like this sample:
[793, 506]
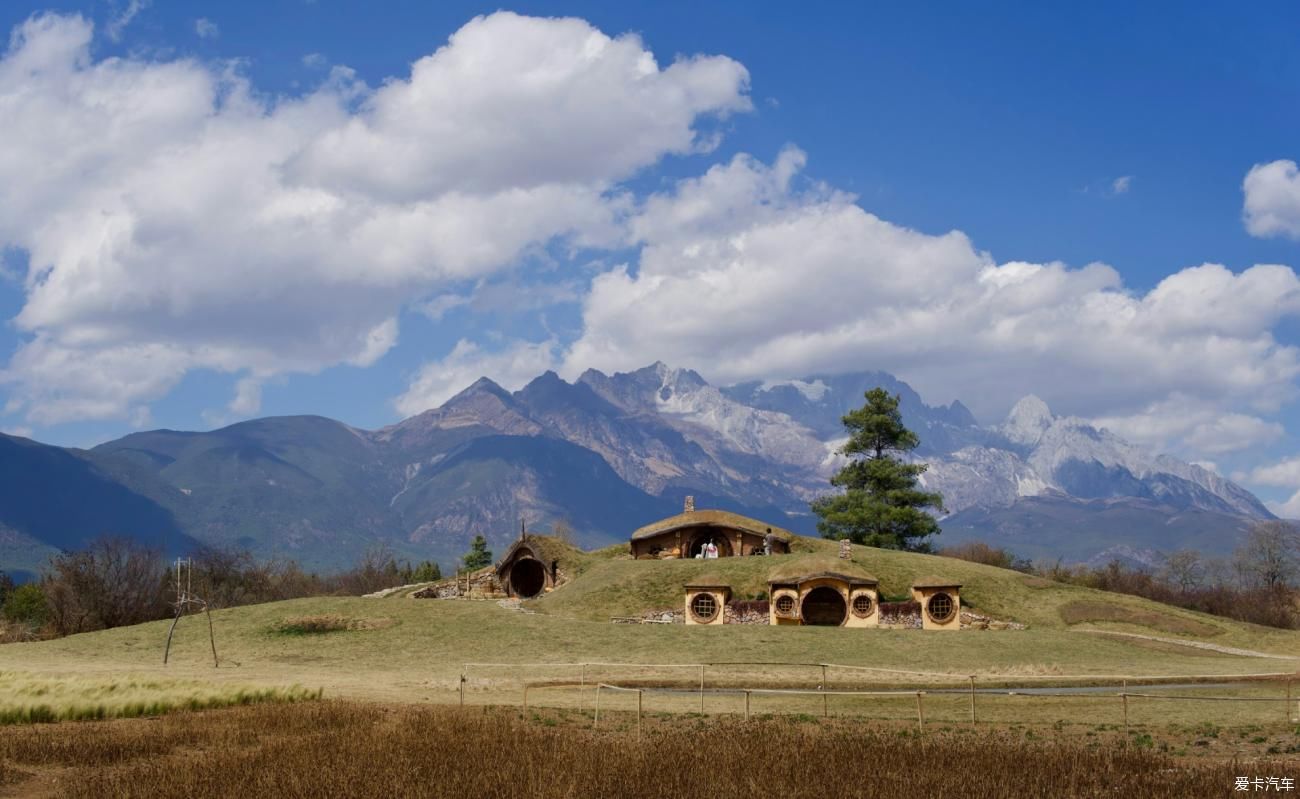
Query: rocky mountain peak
[1028, 420]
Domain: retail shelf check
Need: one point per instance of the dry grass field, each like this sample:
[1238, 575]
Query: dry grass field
[368, 750]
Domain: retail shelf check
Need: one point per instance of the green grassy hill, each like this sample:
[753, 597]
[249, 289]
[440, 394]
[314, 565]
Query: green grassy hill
[612, 584]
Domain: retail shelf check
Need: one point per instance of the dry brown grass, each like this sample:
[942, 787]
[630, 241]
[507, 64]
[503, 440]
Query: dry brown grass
[317, 625]
[1084, 610]
[357, 750]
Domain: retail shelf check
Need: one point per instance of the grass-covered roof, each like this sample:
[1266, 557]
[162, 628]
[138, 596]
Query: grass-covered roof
[711, 518]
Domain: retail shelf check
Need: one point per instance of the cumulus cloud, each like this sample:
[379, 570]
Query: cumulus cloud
[1282, 474]
[1187, 425]
[175, 218]
[748, 273]
[511, 367]
[1272, 204]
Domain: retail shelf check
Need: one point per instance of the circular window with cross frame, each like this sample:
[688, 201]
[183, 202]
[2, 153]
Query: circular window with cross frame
[940, 608]
[785, 605]
[863, 606]
[704, 608]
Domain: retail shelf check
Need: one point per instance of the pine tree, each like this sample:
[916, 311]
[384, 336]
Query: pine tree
[478, 556]
[881, 505]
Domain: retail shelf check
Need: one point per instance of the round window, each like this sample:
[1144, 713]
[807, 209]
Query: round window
[940, 607]
[785, 604]
[862, 605]
[704, 607]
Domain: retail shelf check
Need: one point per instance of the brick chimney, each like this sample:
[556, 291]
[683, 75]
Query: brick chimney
[690, 504]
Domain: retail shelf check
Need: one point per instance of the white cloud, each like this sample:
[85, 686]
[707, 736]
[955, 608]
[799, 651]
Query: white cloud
[1282, 474]
[248, 397]
[206, 28]
[745, 275]
[315, 61]
[177, 219]
[1272, 205]
[122, 17]
[1121, 185]
[1290, 509]
[1185, 425]
[511, 367]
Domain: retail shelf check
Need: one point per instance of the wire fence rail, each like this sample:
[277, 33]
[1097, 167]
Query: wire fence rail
[969, 685]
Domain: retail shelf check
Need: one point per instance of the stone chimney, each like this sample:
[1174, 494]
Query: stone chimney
[690, 504]
[846, 549]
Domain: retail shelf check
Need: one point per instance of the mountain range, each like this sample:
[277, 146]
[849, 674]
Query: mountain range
[605, 454]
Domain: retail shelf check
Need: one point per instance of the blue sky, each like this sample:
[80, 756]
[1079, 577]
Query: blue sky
[1049, 138]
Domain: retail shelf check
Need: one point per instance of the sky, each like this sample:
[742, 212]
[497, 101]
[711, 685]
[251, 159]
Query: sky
[216, 211]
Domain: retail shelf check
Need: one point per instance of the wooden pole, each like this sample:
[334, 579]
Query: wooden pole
[822, 687]
[168, 650]
[701, 689]
[525, 700]
[596, 723]
[972, 700]
[582, 690]
[747, 706]
[1288, 700]
[462, 686]
[212, 639]
[638, 714]
[920, 713]
[1124, 697]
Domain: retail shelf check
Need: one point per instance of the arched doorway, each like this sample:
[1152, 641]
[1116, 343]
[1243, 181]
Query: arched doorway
[719, 540]
[527, 578]
[824, 606]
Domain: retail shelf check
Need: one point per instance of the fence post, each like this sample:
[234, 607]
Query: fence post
[462, 686]
[1124, 697]
[596, 723]
[972, 700]
[920, 712]
[582, 688]
[747, 706]
[701, 689]
[638, 714]
[525, 700]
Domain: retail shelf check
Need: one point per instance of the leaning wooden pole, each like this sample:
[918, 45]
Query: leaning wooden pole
[168, 649]
[462, 686]
[638, 714]
[1124, 698]
[596, 723]
[212, 637]
[920, 712]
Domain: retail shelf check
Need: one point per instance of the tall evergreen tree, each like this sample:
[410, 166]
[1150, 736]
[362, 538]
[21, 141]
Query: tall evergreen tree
[881, 506]
[478, 556]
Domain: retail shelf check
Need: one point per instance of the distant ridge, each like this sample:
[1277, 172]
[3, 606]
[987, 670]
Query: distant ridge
[605, 454]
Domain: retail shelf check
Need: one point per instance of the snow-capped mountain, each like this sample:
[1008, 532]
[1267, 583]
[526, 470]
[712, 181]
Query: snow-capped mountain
[608, 453]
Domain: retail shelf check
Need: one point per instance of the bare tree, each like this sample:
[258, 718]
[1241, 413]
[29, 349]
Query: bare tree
[1270, 554]
[1185, 569]
[114, 582]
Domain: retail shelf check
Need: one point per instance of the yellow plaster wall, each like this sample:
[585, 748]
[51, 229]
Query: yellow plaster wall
[872, 620]
[719, 596]
[923, 595]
